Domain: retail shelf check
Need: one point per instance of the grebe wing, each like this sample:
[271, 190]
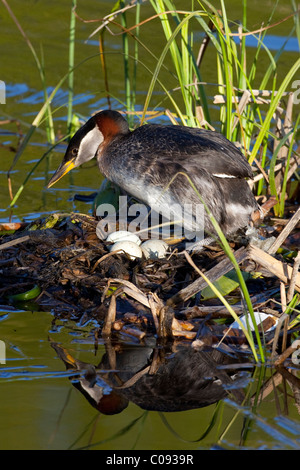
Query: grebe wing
[190, 147]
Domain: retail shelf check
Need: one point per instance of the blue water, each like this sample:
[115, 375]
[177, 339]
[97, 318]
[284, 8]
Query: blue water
[272, 42]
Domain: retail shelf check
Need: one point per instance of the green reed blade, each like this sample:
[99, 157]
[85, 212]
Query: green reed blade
[286, 170]
[272, 108]
[71, 65]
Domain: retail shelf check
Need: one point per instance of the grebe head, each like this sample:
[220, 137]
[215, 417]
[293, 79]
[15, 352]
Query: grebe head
[85, 143]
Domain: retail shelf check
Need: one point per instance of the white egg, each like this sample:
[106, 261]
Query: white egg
[123, 235]
[259, 318]
[128, 247]
[154, 249]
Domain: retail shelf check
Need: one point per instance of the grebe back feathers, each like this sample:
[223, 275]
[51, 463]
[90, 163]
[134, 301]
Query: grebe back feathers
[144, 162]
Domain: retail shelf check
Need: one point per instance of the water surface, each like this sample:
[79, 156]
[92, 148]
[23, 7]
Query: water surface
[40, 406]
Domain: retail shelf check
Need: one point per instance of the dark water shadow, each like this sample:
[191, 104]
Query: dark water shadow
[179, 377]
[170, 378]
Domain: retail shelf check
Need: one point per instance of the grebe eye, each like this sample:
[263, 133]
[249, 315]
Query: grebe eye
[74, 151]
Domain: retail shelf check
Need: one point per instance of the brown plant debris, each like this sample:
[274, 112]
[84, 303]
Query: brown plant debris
[79, 279]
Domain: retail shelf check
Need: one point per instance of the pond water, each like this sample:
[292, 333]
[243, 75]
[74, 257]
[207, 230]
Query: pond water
[44, 404]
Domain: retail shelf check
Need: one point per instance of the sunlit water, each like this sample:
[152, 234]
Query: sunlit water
[42, 409]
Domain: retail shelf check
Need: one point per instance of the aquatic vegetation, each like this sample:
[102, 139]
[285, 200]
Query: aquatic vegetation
[245, 107]
[203, 75]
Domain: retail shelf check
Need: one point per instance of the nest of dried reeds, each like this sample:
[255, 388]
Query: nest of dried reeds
[79, 279]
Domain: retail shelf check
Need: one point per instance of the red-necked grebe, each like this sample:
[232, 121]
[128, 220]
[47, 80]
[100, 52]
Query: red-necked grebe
[144, 162]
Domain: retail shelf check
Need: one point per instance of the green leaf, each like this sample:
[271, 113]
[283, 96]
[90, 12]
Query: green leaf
[117, 6]
[44, 224]
[28, 295]
[225, 285]
[109, 194]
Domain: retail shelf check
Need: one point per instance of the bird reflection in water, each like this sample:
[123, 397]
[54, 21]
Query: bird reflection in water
[174, 378]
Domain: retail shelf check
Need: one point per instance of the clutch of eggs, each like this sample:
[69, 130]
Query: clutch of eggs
[131, 244]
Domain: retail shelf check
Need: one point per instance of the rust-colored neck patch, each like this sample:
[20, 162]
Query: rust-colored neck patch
[111, 124]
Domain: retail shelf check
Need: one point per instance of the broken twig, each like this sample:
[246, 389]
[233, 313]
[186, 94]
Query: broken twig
[285, 233]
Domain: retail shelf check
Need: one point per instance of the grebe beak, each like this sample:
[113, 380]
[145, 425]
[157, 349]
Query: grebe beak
[62, 170]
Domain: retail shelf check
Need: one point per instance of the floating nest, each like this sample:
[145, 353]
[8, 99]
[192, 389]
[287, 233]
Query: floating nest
[60, 265]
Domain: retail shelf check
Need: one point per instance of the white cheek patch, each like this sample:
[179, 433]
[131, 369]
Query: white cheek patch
[89, 145]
